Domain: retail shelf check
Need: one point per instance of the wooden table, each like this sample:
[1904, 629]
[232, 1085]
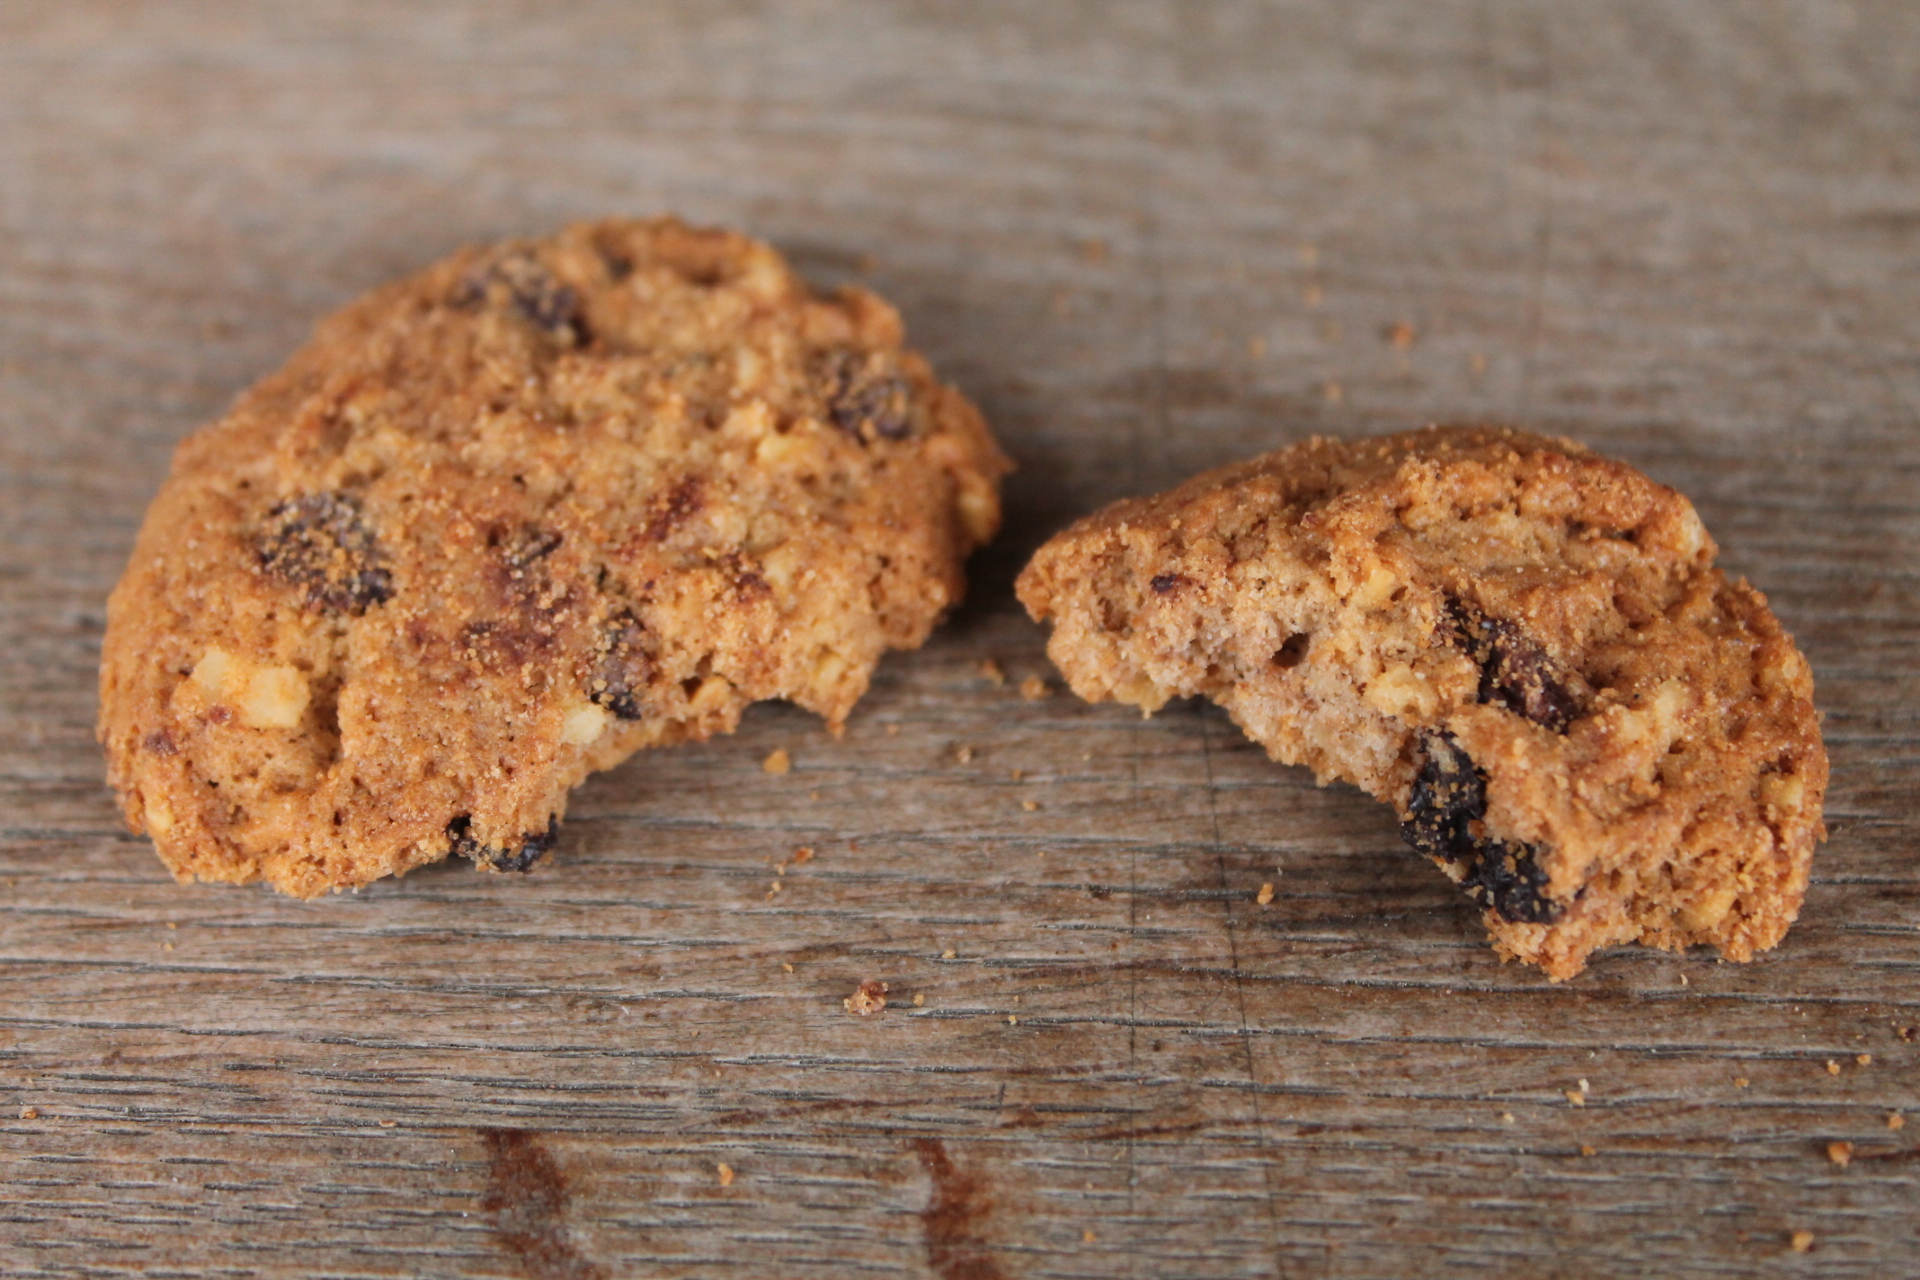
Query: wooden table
[1147, 238]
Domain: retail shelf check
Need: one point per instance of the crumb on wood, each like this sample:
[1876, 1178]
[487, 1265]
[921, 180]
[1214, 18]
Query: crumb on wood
[787, 965]
[948, 954]
[1265, 895]
[1400, 334]
[1895, 1120]
[1741, 1082]
[1841, 1153]
[777, 762]
[1863, 1059]
[1506, 1117]
[1034, 689]
[1013, 1019]
[1586, 1149]
[963, 754]
[1800, 1241]
[801, 856]
[870, 997]
[1576, 1097]
[919, 999]
[29, 1113]
[991, 670]
[1905, 1034]
[725, 1171]
[1087, 1236]
[389, 1124]
[1833, 1068]
[893, 731]
[1030, 805]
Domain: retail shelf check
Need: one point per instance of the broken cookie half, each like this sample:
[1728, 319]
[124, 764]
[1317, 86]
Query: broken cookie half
[507, 521]
[1520, 645]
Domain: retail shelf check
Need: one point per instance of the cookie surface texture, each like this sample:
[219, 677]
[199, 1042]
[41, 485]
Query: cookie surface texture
[505, 522]
[1520, 645]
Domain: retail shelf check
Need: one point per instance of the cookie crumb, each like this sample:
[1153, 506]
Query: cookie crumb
[1035, 689]
[777, 762]
[1895, 1120]
[1265, 895]
[1833, 1068]
[1400, 334]
[801, 856]
[1013, 1019]
[1576, 1097]
[1800, 1241]
[725, 1171]
[1506, 1117]
[1741, 1082]
[948, 954]
[919, 999]
[1087, 1236]
[1586, 1150]
[963, 754]
[388, 1124]
[1841, 1153]
[869, 998]
[1863, 1059]
[1030, 805]
[991, 670]
[29, 1113]
[787, 965]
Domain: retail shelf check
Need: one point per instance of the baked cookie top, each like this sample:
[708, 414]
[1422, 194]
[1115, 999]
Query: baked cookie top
[1520, 645]
[503, 523]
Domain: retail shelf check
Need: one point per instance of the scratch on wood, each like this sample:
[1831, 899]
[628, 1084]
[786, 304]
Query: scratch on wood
[527, 1199]
[955, 1249]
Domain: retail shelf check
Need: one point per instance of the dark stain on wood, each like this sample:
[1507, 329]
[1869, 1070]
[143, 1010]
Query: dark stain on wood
[526, 1199]
[952, 1218]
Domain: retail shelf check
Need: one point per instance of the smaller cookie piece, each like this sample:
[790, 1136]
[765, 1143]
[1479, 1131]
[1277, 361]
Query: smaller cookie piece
[1520, 645]
[511, 519]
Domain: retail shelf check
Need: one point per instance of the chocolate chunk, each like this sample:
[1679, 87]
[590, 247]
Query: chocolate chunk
[524, 284]
[532, 847]
[1168, 583]
[1515, 672]
[623, 668]
[1444, 822]
[1293, 652]
[526, 546]
[320, 542]
[866, 397]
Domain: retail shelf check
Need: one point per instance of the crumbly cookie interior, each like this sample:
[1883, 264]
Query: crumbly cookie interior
[1521, 646]
[505, 522]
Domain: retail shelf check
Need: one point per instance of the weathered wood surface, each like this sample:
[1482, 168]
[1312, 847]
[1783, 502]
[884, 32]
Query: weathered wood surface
[1148, 238]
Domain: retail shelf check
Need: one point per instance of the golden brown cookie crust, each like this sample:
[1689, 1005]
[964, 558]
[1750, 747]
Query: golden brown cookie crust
[1520, 645]
[503, 523]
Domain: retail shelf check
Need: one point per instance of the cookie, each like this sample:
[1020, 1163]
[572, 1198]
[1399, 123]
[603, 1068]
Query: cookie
[1520, 645]
[505, 522]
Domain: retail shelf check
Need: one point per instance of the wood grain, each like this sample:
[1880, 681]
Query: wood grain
[1147, 238]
